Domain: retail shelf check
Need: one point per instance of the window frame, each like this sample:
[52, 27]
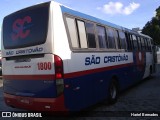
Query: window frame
[106, 40]
[73, 49]
[71, 44]
[115, 41]
[149, 45]
[128, 42]
[135, 42]
[143, 44]
[89, 22]
[139, 43]
[77, 20]
[129, 45]
[120, 40]
[131, 41]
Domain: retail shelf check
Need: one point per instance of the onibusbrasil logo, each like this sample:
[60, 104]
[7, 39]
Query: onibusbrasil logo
[18, 114]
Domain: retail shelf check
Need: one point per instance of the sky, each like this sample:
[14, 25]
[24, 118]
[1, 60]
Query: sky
[126, 13]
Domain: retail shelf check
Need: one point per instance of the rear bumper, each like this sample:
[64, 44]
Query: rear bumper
[36, 104]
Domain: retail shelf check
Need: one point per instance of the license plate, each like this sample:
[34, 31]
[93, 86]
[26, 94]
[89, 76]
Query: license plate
[25, 101]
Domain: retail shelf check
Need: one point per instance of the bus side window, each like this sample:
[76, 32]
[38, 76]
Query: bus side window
[82, 34]
[131, 40]
[128, 41]
[102, 39]
[148, 48]
[149, 44]
[111, 39]
[122, 40]
[90, 35]
[139, 43]
[135, 42]
[72, 32]
[118, 39]
[146, 44]
[143, 43]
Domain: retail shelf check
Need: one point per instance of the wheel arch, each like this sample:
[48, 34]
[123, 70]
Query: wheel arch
[113, 95]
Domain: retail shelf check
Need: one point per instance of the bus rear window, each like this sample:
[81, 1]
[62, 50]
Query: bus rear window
[27, 27]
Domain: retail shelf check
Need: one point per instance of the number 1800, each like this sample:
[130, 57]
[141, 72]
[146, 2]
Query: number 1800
[44, 66]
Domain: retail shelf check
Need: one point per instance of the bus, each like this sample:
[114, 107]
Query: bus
[57, 59]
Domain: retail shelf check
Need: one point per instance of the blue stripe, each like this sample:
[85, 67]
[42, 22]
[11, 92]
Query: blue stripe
[93, 88]
[31, 88]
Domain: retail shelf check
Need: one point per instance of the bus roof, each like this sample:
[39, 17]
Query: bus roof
[70, 11]
[94, 19]
[144, 35]
[88, 17]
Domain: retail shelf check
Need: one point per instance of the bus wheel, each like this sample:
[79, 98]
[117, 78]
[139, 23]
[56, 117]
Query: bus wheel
[113, 92]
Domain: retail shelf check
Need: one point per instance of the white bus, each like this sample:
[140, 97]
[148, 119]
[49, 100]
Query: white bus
[57, 59]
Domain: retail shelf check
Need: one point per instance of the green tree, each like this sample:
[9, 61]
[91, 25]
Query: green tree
[158, 12]
[152, 28]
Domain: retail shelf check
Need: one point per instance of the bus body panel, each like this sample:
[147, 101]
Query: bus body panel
[20, 76]
[88, 84]
[86, 74]
[60, 38]
[149, 64]
[89, 89]
[23, 71]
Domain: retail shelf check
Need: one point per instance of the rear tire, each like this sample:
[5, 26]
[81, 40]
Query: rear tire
[113, 92]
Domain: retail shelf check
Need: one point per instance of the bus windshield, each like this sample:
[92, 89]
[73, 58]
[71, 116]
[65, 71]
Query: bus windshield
[27, 27]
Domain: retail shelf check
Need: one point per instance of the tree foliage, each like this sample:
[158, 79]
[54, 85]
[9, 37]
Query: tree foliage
[152, 28]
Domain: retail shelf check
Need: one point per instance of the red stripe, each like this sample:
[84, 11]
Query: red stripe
[37, 104]
[28, 77]
[68, 75]
[85, 72]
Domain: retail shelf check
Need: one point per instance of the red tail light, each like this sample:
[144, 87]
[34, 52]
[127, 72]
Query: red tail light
[58, 64]
[58, 67]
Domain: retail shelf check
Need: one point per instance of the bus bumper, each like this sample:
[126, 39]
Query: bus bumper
[36, 104]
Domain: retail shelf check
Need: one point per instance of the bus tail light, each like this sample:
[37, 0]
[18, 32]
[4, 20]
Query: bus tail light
[58, 64]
